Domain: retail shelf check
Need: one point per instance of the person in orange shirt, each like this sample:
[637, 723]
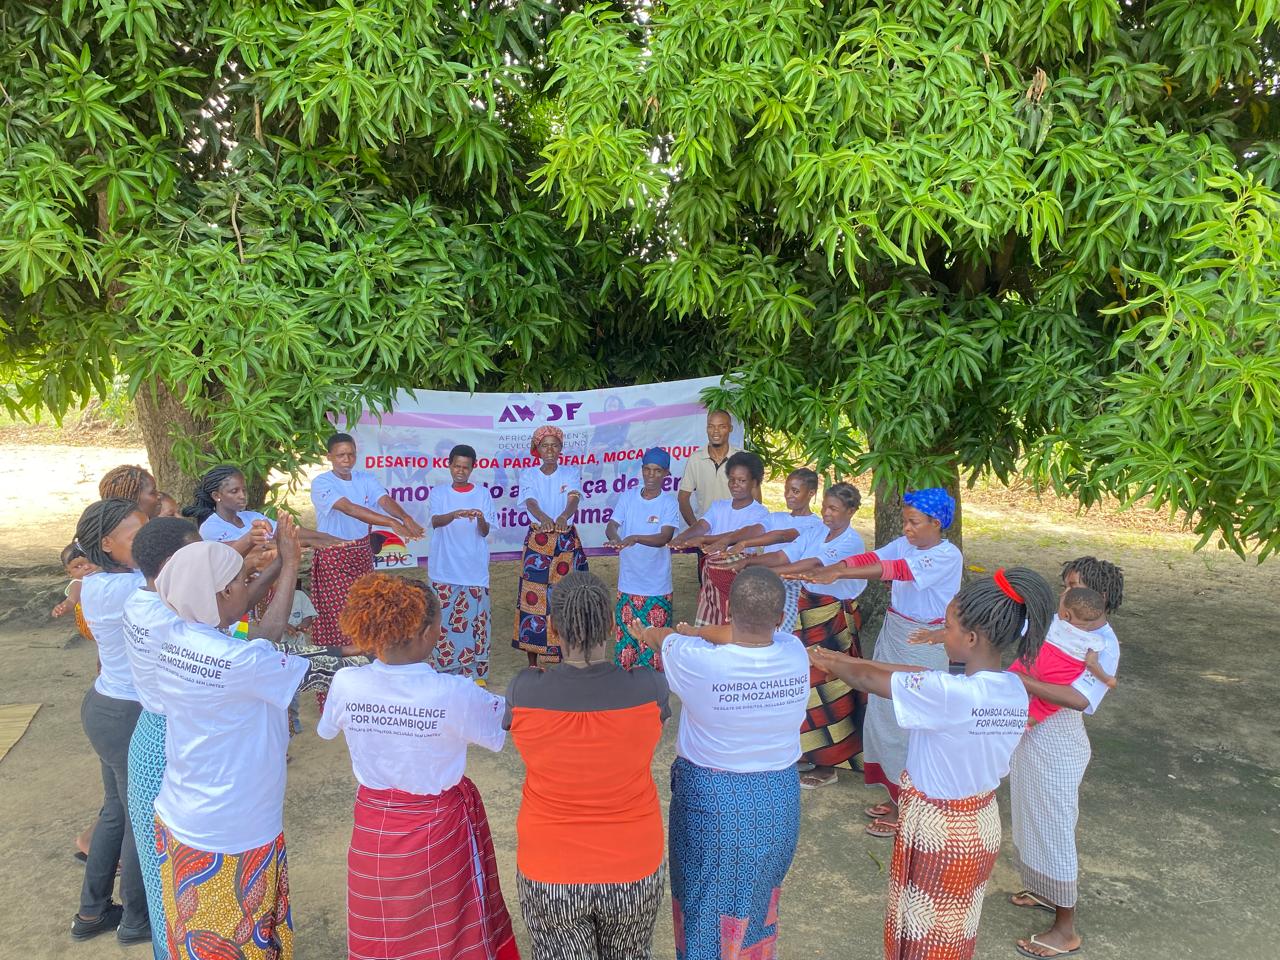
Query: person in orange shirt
[589, 850]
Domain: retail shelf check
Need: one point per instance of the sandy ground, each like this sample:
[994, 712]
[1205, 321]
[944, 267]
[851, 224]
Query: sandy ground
[1179, 838]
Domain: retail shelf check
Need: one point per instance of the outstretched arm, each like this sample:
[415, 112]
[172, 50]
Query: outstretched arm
[1060, 695]
[869, 676]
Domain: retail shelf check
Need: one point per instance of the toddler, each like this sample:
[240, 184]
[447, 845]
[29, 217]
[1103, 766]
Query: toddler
[78, 567]
[1070, 648]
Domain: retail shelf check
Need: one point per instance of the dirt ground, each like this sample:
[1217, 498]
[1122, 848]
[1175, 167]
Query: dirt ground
[1179, 831]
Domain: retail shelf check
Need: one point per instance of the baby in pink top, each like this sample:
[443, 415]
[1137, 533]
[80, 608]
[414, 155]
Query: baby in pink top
[1071, 647]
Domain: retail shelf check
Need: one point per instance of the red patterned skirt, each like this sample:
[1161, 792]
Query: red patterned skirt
[943, 856]
[713, 598]
[333, 571]
[422, 879]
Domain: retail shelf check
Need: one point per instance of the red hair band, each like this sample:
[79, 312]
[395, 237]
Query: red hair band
[1006, 588]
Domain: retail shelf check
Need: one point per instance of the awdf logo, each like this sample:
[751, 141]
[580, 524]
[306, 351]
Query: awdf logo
[389, 551]
[519, 413]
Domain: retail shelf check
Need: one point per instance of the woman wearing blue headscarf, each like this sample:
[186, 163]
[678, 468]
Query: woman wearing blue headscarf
[924, 569]
[644, 521]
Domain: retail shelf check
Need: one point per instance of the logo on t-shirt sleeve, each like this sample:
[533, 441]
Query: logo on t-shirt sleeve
[914, 681]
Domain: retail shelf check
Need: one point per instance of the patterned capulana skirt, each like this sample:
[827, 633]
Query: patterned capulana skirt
[146, 774]
[547, 559]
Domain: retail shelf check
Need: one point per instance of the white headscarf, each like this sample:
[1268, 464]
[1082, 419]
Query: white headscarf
[190, 582]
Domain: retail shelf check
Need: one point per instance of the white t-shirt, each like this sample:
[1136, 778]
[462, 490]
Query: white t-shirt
[215, 528]
[1108, 659]
[722, 518]
[961, 730]
[147, 622]
[551, 491]
[227, 703]
[102, 600]
[362, 490]
[813, 545]
[408, 727]
[741, 706]
[645, 571]
[783, 520]
[937, 573]
[459, 555]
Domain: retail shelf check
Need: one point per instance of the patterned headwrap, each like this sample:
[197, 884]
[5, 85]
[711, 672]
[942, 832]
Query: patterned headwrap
[932, 502]
[658, 457]
[541, 434]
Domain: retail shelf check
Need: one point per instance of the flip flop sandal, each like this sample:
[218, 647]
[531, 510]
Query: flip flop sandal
[879, 811]
[810, 782]
[804, 766]
[81, 857]
[882, 828]
[1057, 951]
[1039, 904]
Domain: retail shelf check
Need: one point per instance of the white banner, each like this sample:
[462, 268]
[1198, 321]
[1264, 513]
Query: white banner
[605, 434]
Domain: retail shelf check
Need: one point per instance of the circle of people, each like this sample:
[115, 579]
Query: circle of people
[205, 642]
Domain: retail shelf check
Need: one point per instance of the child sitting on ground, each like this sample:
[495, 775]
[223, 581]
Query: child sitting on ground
[78, 567]
[1070, 648]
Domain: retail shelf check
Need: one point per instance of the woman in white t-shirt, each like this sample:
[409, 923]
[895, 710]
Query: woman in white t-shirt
[924, 570]
[735, 794]
[219, 815]
[831, 736]
[218, 509]
[109, 714]
[744, 472]
[776, 531]
[462, 515]
[422, 878]
[552, 547]
[644, 521]
[962, 732]
[1045, 777]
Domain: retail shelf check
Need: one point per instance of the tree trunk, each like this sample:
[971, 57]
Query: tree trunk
[164, 420]
[875, 598]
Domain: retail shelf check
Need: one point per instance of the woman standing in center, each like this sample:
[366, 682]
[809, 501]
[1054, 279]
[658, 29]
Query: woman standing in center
[589, 833]
[552, 548]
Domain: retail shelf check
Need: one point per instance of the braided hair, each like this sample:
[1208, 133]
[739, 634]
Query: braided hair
[846, 493]
[986, 607]
[582, 611]
[96, 523]
[1100, 575]
[808, 478]
[124, 482]
[202, 506]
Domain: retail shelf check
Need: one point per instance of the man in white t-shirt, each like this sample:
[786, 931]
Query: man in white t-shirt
[735, 794]
[462, 515]
[643, 523]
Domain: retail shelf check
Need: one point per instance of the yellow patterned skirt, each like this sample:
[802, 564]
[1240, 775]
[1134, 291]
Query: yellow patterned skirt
[223, 906]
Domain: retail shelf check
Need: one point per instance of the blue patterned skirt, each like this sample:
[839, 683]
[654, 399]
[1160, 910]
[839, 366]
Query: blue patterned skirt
[732, 839]
[146, 773]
